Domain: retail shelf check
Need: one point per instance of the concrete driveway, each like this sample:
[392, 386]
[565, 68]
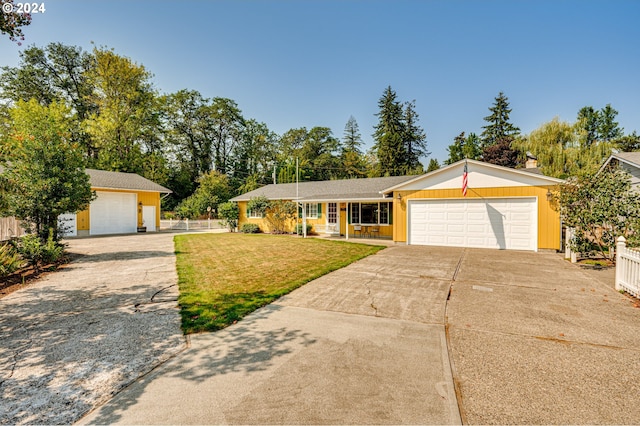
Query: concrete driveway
[75, 337]
[537, 340]
[365, 344]
[531, 339]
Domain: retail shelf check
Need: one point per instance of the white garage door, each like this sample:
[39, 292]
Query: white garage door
[501, 223]
[113, 213]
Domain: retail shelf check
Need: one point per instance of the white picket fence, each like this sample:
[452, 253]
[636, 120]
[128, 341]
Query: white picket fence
[627, 268]
[189, 225]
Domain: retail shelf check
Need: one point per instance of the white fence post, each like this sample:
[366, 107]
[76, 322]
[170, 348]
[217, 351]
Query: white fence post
[620, 247]
[187, 221]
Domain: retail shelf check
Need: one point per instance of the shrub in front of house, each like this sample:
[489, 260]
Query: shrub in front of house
[250, 228]
[37, 252]
[299, 229]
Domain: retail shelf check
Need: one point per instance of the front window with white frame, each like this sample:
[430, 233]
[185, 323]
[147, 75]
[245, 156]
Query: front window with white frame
[371, 213]
[311, 211]
[254, 214]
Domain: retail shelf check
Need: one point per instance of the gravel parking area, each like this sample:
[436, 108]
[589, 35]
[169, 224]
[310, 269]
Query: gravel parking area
[72, 339]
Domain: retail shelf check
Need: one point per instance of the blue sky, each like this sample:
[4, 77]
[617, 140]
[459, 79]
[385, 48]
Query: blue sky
[315, 63]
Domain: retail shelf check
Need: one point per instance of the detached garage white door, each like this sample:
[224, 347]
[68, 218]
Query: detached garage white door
[113, 213]
[501, 223]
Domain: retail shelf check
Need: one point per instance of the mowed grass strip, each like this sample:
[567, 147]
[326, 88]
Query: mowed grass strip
[223, 277]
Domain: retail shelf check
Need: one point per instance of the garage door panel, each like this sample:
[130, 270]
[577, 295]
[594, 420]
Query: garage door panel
[509, 223]
[113, 213]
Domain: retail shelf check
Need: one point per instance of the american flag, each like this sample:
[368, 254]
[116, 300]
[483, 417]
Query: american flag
[465, 180]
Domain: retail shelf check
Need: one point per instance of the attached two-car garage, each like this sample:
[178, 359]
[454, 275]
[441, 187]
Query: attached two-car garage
[501, 223]
[503, 208]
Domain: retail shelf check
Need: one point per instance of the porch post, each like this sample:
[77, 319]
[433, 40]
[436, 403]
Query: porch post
[304, 220]
[346, 220]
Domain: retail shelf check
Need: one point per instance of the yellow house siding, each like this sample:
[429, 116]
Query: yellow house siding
[291, 226]
[83, 220]
[548, 218]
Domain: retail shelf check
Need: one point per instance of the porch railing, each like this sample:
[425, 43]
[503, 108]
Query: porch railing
[627, 268]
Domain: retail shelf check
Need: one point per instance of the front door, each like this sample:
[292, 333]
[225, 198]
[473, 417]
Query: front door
[343, 219]
[149, 218]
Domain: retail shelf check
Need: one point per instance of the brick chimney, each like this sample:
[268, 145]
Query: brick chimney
[532, 162]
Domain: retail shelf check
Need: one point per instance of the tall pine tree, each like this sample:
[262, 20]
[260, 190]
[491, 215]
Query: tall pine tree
[415, 140]
[498, 127]
[389, 136]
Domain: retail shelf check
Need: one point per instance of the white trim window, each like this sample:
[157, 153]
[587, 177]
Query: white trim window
[371, 213]
[311, 210]
[254, 215]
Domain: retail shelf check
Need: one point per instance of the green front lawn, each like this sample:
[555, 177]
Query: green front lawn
[223, 277]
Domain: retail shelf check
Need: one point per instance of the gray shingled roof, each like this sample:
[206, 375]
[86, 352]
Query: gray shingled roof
[345, 189]
[629, 157]
[118, 180]
[102, 179]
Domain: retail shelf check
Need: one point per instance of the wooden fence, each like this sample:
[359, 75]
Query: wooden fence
[10, 228]
[627, 268]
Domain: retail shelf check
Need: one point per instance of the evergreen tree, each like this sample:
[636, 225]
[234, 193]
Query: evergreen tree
[464, 147]
[608, 128]
[588, 119]
[353, 163]
[389, 136]
[415, 140]
[628, 143]
[598, 126]
[499, 126]
[351, 141]
[433, 165]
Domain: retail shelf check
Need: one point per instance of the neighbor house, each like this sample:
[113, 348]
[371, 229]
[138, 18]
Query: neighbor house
[124, 203]
[628, 161]
[503, 208]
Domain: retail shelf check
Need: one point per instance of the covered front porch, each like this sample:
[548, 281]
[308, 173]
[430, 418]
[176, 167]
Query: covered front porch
[348, 218]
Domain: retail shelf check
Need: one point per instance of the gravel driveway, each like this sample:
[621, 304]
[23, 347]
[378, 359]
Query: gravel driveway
[74, 338]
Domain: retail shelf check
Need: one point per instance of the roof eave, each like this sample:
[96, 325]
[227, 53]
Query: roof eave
[164, 191]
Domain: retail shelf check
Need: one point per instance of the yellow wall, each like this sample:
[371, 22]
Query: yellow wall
[146, 198]
[548, 219]
[317, 224]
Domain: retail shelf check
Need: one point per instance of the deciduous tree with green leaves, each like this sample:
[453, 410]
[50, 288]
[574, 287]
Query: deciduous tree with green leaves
[279, 214]
[11, 23]
[600, 207]
[126, 111]
[229, 213]
[213, 190]
[44, 167]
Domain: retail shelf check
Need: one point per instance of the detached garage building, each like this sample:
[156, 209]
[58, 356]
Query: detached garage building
[504, 208]
[125, 203]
